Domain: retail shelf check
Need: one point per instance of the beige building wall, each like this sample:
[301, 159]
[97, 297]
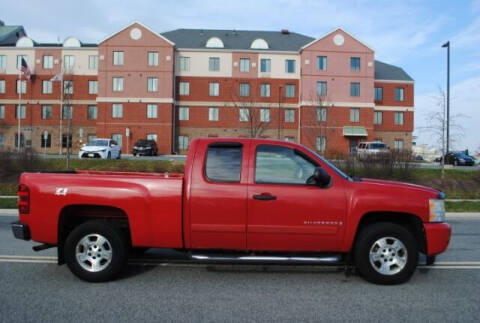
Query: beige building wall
[199, 63]
[278, 66]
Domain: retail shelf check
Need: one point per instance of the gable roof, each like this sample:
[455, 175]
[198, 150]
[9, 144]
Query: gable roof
[335, 30]
[237, 39]
[10, 34]
[139, 23]
[384, 71]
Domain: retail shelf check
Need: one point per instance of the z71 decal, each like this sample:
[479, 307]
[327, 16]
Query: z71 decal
[61, 191]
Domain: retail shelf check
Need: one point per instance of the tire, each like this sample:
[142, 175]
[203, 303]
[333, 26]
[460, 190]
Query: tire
[109, 156]
[107, 257]
[119, 155]
[372, 250]
[455, 163]
[134, 155]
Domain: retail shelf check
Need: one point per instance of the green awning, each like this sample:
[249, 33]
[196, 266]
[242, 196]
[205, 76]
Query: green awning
[354, 131]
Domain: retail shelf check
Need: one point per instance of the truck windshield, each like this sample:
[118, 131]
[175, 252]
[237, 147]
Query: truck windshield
[98, 142]
[332, 166]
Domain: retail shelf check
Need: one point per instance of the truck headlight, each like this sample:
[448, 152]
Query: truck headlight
[437, 210]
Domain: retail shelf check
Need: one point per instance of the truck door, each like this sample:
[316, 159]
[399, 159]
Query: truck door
[284, 212]
[218, 196]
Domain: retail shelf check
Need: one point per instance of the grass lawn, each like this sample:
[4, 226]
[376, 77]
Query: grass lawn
[465, 206]
[8, 203]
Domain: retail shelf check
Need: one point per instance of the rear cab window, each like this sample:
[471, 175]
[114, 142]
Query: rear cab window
[224, 162]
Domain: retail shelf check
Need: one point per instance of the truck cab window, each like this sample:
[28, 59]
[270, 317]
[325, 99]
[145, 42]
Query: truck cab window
[281, 165]
[224, 163]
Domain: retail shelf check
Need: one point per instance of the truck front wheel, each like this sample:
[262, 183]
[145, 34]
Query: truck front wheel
[96, 251]
[386, 253]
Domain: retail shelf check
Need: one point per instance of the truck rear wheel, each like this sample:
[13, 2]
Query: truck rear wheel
[386, 253]
[95, 251]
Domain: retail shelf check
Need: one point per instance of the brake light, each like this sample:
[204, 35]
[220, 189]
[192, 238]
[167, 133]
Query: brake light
[23, 199]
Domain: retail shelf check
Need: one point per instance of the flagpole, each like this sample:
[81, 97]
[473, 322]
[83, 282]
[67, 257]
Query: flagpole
[19, 108]
[61, 104]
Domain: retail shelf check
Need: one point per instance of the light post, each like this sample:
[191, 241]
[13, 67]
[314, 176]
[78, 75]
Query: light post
[279, 105]
[447, 45]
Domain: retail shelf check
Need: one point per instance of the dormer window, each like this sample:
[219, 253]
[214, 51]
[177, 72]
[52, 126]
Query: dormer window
[259, 44]
[72, 42]
[214, 42]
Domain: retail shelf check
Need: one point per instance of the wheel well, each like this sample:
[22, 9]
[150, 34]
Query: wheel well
[409, 221]
[73, 215]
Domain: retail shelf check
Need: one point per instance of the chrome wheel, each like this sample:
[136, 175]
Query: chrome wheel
[388, 256]
[93, 252]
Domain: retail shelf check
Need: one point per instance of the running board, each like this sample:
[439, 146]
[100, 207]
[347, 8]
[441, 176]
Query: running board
[332, 260]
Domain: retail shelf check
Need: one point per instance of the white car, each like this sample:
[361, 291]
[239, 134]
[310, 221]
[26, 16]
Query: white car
[371, 148]
[101, 148]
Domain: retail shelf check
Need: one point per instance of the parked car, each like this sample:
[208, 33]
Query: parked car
[459, 159]
[145, 147]
[239, 201]
[101, 148]
[366, 149]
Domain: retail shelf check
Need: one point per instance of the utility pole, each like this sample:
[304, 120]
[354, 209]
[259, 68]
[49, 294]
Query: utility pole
[279, 105]
[447, 45]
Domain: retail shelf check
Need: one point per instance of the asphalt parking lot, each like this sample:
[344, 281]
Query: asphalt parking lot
[35, 289]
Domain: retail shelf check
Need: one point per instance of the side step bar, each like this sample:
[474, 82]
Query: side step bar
[327, 260]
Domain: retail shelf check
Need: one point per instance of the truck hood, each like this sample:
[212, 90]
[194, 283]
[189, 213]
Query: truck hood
[399, 185]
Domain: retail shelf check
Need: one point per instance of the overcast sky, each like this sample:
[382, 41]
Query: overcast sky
[406, 33]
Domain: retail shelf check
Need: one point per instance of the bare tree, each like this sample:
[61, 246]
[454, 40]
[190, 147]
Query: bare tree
[67, 103]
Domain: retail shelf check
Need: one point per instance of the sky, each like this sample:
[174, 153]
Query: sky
[406, 33]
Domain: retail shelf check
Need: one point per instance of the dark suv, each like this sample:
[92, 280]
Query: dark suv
[459, 159]
[145, 147]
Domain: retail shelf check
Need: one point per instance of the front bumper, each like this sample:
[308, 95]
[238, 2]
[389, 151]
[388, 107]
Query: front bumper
[92, 154]
[142, 152]
[21, 231]
[437, 236]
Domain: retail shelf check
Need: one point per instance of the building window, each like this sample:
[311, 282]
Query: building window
[184, 63]
[354, 89]
[2, 140]
[244, 64]
[322, 88]
[290, 90]
[183, 142]
[3, 62]
[68, 61]
[117, 84]
[118, 58]
[265, 115]
[19, 61]
[321, 143]
[265, 65]
[152, 58]
[118, 138]
[21, 86]
[354, 115]
[184, 88]
[46, 111]
[152, 84]
[289, 115]
[244, 89]
[22, 140]
[67, 141]
[21, 110]
[2, 112]
[355, 63]
[2, 86]
[152, 111]
[212, 114]
[152, 136]
[243, 115]
[47, 61]
[398, 118]
[321, 114]
[289, 66]
[67, 112]
[68, 87]
[47, 87]
[265, 90]
[378, 94]
[377, 117]
[93, 62]
[322, 63]
[117, 110]
[92, 112]
[183, 113]
[214, 64]
[46, 143]
[398, 144]
[399, 94]
[92, 87]
[214, 89]
[91, 137]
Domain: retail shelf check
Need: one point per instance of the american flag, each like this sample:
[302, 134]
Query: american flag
[25, 70]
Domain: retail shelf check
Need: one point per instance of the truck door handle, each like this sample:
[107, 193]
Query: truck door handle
[264, 197]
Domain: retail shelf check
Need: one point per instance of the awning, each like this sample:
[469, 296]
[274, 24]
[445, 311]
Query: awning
[355, 131]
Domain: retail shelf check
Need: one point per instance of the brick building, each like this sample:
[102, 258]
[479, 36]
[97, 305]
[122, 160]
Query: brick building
[327, 93]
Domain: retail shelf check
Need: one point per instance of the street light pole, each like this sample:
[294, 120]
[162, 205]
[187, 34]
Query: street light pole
[279, 110]
[447, 45]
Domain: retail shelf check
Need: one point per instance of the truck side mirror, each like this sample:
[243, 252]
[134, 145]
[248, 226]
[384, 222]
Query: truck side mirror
[322, 178]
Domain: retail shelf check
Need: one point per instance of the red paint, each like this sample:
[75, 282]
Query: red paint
[225, 215]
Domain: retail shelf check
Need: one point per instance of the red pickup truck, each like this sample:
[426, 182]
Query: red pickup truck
[241, 201]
